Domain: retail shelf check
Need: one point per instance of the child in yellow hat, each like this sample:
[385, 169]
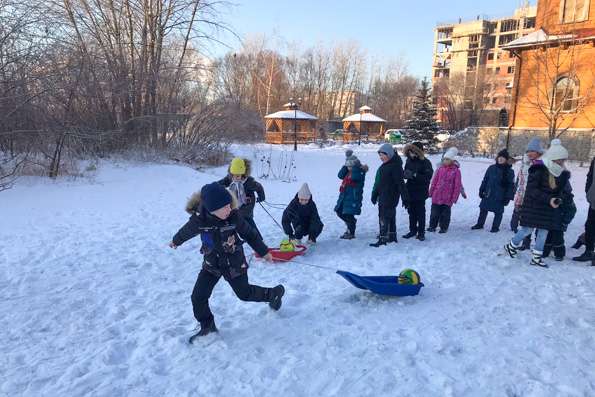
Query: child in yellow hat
[247, 190]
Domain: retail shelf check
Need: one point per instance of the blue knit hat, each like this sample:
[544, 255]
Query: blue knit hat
[535, 146]
[387, 149]
[214, 196]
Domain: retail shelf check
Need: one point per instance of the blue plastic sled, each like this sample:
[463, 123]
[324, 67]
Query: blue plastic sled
[383, 285]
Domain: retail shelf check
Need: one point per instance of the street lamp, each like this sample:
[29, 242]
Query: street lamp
[295, 105]
[359, 130]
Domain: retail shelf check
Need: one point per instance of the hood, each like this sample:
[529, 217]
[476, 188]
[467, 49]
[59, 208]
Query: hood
[248, 164]
[414, 149]
[193, 204]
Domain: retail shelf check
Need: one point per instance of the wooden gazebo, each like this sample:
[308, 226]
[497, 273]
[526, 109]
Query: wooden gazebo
[364, 125]
[288, 124]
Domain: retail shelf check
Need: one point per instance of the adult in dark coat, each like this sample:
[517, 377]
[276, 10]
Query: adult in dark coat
[541, 209]
[418, 174]
[389, 185]
[301, 217]
[351, 191]
[246, 189]
[214, 215]
[589, 237]
[496, 191]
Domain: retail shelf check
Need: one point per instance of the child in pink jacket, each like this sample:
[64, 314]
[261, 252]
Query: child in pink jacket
[445, 190]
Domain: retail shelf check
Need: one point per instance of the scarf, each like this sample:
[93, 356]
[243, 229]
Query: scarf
[237, 188]
[347, 182]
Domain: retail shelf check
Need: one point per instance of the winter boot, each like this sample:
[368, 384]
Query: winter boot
[409, 235]
[511, 249]
[431, 229]
[205, 328]
[442, 231]
[494, 230]
[421, 237]
[381, 241]
[580, 241]
[347, 236]
[477, 227]
[537, 259]
[585, 257]
[559, 252]
[275, 295]
[392, 238]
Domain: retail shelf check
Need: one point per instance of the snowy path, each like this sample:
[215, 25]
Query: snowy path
[94, 303]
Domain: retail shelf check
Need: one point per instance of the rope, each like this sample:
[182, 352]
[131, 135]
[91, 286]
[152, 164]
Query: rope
[299, 263]
[271, 216]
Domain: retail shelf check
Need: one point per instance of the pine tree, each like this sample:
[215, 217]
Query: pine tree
[422, 126]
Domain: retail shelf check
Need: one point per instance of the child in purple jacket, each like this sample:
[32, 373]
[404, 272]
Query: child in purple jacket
[445, 190]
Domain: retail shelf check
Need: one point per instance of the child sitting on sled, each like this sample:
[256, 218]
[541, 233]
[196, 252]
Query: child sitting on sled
[214, 215]
[301, 218]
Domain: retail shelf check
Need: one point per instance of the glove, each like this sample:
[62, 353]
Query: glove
[259, 199]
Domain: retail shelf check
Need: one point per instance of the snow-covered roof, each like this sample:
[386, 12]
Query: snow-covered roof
[364, 108]
[535, 38]
[369, 117]
[291, 114]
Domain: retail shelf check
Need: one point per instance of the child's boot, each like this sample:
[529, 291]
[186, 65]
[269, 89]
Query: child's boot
[537, 259]
[511, 249]
[275, 296]
[206, 328]
[585, 256]
[580, 241]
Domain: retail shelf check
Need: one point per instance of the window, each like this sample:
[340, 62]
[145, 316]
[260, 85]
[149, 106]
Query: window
[574, 10]
[566, 94]
[509, 25]
[497, 70]
[510, 69]
[491, 56]
[507, 38]
[529, 23]
[494, 100]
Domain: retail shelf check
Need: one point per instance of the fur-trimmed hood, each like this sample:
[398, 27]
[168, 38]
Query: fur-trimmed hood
[248, 164]
[414, 149]
[193, 205]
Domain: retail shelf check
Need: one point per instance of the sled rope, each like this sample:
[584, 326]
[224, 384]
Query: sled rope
[300, 263]
[271, 216]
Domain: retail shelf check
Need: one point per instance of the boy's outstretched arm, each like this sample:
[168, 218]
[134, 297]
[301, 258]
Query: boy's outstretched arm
[186, 232]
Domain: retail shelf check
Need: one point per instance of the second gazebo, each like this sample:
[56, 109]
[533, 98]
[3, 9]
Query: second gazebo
[363, 125]
[289, 125]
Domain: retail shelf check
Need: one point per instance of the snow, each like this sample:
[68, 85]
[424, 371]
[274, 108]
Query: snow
[94, 303]
[364, 117]
[537, 37]
[291, 114]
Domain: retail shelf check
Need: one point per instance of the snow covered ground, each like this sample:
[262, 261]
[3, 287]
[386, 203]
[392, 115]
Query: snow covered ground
[94, 303]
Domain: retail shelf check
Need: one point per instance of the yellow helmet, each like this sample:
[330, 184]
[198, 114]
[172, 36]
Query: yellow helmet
[286, 246]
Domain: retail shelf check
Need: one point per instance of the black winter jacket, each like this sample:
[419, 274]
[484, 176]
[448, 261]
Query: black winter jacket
[590, 176]
[297, 215]
[221, 241]
[418, 174]
[536, 210]
[389, 184]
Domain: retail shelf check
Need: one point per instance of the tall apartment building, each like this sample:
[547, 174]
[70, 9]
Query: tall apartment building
[478, 74]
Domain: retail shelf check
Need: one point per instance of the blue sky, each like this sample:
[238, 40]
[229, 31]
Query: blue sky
[385, 29]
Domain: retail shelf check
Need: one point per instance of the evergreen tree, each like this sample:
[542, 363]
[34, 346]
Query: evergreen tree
[422, 125]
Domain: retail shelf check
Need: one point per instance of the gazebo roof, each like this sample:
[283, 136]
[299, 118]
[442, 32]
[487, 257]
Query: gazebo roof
[291, 114]
[365, 117]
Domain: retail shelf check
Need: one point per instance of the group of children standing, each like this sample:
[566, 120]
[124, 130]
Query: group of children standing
[223, 212]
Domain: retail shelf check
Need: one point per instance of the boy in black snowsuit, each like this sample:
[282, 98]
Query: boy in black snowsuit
[389, 185]
[301, 218]
[418, 174]
[214, 215]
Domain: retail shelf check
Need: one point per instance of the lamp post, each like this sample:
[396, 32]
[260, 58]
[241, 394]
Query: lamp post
[295, 105]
